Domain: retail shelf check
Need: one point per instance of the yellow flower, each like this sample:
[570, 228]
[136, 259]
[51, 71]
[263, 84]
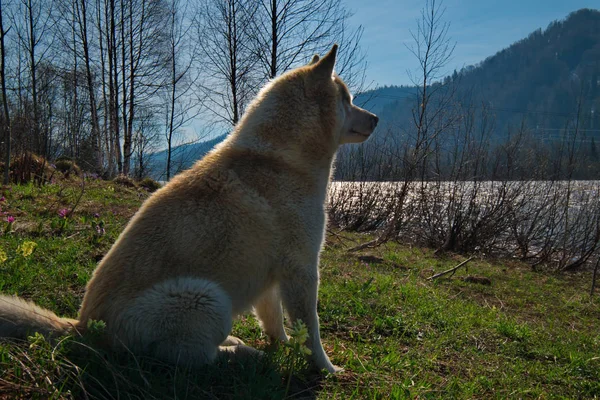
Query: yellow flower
[3, 256]
[26, 248]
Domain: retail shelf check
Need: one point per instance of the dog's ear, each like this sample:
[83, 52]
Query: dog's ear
[324, 67]
[314, 60]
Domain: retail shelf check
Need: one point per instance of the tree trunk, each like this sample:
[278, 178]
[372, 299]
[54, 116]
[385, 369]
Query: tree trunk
[110, 167]
[274, 41]
[126, 135]
[88, 72]
[7, 126]
[113, 88]
[173, 93]
[40, 148]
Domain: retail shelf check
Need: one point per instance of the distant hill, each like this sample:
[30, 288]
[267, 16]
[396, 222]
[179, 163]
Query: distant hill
[182, 157]
[384, 98]
[542, 80]
[546, 76]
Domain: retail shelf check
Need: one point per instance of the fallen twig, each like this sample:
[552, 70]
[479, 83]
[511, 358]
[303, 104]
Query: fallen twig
[451, 270]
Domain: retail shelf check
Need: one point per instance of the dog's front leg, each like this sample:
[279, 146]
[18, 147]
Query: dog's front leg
[269, 312]
[299, 295]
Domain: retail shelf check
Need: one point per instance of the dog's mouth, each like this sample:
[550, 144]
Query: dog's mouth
[365, 134]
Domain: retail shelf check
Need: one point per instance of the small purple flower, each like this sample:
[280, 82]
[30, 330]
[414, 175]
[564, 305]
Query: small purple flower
[100, 230]
[63, 213]
[2, 199]
[10, 219]
[96, 215]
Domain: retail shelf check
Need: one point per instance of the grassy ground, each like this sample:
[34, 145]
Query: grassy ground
[397, 334]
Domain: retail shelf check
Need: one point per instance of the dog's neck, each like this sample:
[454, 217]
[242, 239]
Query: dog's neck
[315, 172]
[266, 129]
[263, 131]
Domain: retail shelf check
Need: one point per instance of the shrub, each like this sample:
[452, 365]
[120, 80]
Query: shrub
[149, 184]
[124, 180]
[28, 167]
[67, 167]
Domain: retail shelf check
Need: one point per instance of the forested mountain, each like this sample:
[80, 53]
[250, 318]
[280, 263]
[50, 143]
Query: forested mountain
[183, 157]
[548, 77]
[537, 99]
[543, 80]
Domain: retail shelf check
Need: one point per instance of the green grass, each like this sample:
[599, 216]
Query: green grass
[397, 334]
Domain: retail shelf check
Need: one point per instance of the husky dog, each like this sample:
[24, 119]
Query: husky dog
[242, 228]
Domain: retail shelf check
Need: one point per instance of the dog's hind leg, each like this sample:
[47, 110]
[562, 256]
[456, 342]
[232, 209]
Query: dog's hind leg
[240, 352]
[180, 321]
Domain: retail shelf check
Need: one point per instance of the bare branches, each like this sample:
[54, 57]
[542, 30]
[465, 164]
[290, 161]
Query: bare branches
[180, 106]
[286, 33]
[223, 34]
[87, 77]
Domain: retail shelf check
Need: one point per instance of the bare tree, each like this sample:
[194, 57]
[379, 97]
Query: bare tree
[113, 83]
[286, 33]
[145, 139]
[181, 106]
[130, 57]
[32, 21]
[223, 37]
[142, 39]
[7, 125]
[432, 48]
[81, 10]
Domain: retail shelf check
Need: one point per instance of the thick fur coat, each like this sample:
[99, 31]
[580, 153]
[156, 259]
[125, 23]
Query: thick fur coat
[241, 229]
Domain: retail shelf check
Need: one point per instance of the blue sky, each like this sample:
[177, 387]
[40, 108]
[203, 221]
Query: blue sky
[479, 28]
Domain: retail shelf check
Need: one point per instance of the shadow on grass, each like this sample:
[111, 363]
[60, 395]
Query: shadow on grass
[75, 368]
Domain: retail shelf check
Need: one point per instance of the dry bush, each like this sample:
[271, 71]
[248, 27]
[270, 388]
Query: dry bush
[149, 184]
[358, 206]
[67, 166]
[124, 180]
[461, 194]
[29, 167]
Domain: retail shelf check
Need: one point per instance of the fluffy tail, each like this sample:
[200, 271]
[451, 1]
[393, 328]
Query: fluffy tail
[20, 318]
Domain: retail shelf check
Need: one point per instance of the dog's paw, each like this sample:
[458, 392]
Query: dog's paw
[330, 369]
[232, 341]
[335, 369]
[241, 352]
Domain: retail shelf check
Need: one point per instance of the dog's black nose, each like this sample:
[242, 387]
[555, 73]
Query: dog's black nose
[375, 119]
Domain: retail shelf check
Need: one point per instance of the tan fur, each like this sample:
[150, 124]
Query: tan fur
[242, 228]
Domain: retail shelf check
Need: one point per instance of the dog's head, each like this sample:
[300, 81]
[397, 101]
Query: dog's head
[354, 124]
[307, 111]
